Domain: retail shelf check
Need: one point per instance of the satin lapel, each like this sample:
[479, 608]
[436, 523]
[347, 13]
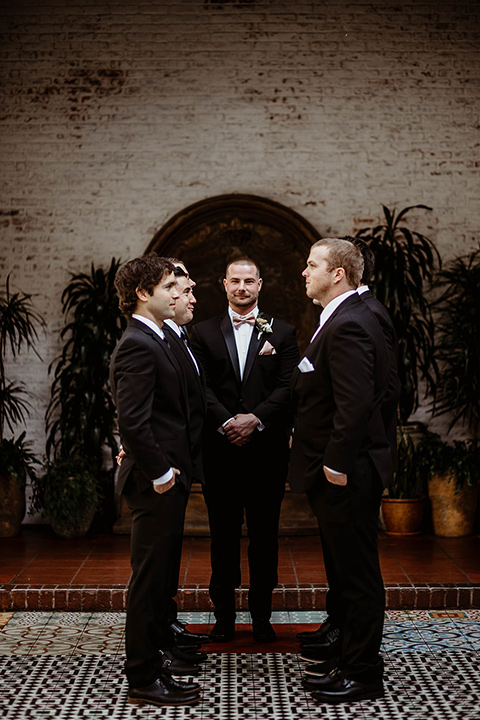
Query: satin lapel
[179, 341]
[253, 349]
[227, 332]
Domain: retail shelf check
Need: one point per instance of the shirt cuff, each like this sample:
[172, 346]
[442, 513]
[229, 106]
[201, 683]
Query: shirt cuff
[164, 479]
[335, 472]
[220, 429]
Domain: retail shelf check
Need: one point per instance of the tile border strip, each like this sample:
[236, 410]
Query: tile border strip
[422, 596]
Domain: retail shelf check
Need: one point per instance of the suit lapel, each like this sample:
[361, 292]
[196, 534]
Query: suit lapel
[255, 341]
[227, 332]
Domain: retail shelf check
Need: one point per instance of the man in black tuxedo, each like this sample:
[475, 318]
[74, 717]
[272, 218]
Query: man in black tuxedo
[176, 334]
[151, 396]
[248, 358]
[341, 458]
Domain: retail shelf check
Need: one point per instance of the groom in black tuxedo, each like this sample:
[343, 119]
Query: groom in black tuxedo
[341, 457]
[248, 358]
[151, 396]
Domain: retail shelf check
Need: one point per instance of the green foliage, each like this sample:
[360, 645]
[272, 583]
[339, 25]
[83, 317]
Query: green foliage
[66, 492]
[17, 460]
[18, 330]
[458, 346]
[405, 263]
[434, 456]
[406, 483]
[80, 415]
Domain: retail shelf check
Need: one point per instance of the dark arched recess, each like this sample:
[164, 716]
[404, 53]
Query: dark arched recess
[210, 233]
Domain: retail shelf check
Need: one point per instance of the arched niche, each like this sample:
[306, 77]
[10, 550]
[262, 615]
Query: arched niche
[210, 233]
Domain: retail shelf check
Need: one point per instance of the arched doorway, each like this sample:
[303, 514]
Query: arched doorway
[208, 234]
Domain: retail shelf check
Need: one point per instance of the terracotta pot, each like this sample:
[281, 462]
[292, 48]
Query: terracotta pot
[453, 515]
[12, 505]
[403, 517]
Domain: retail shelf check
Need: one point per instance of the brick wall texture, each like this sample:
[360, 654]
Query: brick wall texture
[116, 115]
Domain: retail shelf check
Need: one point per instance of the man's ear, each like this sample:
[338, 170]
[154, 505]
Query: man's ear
[142, 295]
[339, 274]
[260, 283]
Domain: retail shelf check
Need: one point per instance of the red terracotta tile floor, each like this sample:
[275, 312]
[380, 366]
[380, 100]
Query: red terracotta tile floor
[41, 571]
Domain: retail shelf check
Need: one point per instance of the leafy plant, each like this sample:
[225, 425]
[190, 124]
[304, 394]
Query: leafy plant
[68, 493]
[17, 460]
[458, 345]
[18, 330]
[435, 456]
[405, 263]
[80, 415]
[407, 484]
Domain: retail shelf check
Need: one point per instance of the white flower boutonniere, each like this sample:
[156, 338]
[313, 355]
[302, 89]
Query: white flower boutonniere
[262, 325]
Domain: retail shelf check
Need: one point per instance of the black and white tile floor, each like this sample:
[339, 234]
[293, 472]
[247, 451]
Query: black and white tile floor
[69, 665]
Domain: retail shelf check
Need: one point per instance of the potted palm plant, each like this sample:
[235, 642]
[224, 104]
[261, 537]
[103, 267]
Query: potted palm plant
[18, 330]
[405, 265]
[404, 501]
[81, 415]
[452, 473]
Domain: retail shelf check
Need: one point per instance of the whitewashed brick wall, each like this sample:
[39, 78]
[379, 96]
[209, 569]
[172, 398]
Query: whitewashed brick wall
[116, 115]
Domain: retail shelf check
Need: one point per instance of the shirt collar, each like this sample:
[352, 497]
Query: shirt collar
[232, 313]
[362, 289]
[330, 307]
[172, 324]
[149, 323]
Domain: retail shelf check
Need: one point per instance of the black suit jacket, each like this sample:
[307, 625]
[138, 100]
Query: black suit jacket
[264, 389]
[150, 393]
[338, 403]
[392, 396]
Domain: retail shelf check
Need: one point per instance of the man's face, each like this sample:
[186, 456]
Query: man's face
[185, 304]
[319, 280]
[160, 305]
[242, 287]
[192, 282]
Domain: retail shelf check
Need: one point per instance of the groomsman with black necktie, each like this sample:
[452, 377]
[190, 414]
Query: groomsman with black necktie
[248, 358]
[151, 396]
[341, 458]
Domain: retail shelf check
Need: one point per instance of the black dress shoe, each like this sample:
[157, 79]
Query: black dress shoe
[188, 688]
[343, 689]
[223, 631]
[185, 637]
[158, 693]
[311, 636]
[319, 654]
[175, 666]
[322, 641]
[191, 657]
[321, 669]
[263, 631]
[321, 682]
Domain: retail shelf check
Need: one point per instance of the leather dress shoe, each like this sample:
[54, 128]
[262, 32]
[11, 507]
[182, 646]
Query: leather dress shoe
[319, 654]
[263, 631]
[343, 689]
[174, 666]
[323, 641]
[188, 688]
[191, 657]
[185, 637]
[318, 635]
[223, 631]
[159, 693]
[320, 669]
[321, 682]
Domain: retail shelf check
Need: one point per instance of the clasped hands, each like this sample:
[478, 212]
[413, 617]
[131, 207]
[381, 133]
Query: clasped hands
[239, 430]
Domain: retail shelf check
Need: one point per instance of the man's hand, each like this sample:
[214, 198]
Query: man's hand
[120, 456]
[240, 429]
[334, 478]
[161, 489]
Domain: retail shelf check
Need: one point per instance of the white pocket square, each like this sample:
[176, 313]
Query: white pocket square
[305, 365]
[267, 349]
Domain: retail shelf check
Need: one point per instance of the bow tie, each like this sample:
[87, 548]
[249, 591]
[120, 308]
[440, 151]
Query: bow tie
[237, 321]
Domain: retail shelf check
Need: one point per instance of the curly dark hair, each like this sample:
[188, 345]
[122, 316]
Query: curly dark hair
[142, 273]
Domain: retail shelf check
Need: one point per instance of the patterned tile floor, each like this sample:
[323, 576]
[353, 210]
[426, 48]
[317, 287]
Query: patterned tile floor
[69, 666]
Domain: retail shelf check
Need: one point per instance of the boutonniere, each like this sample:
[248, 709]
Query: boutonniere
[262, 325]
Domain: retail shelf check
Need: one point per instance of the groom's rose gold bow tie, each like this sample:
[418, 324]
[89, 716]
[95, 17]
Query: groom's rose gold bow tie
[237, 321]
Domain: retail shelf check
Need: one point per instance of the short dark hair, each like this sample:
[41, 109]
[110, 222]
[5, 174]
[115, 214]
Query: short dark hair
[243, 260]
[368, 258]
[143, 273]
[179, 271]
